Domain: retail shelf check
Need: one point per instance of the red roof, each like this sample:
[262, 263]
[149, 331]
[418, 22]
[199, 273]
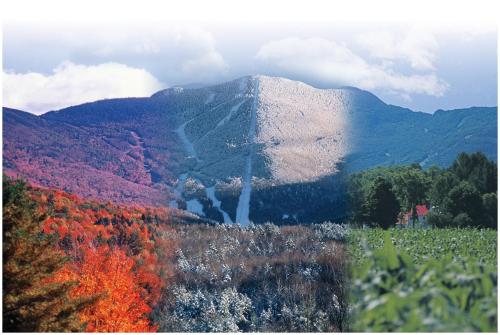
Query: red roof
[421, 211]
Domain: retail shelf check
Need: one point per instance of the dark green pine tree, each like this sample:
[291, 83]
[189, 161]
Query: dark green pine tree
[382, 206]
[29, 259]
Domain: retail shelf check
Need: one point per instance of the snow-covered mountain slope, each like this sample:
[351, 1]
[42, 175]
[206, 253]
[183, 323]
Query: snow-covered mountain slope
[292, 131]
[261, 130]
[303, 130]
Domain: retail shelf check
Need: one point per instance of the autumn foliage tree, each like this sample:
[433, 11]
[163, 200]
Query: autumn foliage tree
[115, 252]
[31, 303]
[72, 264]
[109, 273]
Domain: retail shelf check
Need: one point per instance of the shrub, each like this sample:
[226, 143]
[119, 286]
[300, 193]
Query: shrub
[439, 220]
[462, 220]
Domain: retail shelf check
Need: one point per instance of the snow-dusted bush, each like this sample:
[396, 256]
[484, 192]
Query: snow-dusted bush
[261, 278]
[197, 311]
[271, 229]
[330, 231]
[182, 262]
[290, 243]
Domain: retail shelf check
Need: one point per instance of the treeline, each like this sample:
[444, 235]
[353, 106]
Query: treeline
[75, 265]
[462, 195]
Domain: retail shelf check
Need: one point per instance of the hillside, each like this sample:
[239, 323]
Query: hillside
[386, 134]
[253, 149]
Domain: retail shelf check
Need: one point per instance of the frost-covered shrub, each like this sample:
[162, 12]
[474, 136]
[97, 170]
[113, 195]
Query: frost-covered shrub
[271, 229]
[232, 310]
[182, 262]
[290, 243]
[260, 278]
[321, 322]
[197, 311]
[226, 273]
[222, 227]
[294, 318]
[230, 244]
[307, 273]
[330, 231]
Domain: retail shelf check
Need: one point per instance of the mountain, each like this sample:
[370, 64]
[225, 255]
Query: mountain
[254, 149]
[386, 134]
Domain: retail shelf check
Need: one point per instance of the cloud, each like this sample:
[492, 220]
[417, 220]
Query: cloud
[70, 84]
[175, 53]
[332, 63]
[418, 48]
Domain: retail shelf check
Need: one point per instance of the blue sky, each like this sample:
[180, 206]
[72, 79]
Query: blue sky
[423, 67]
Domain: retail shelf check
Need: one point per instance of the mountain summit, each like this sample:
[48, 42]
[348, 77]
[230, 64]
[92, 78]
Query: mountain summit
[256, 148]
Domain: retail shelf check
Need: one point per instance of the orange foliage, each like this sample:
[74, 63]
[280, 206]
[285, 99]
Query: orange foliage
[115, 251]
[109, 273]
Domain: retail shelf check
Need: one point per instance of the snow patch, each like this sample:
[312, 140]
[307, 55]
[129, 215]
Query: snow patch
[303, 130]
[195, 206]
[210, 191]
[243, 209]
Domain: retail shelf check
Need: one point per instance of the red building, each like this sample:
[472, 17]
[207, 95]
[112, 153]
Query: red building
[406, 219]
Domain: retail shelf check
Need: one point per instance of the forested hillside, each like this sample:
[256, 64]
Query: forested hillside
[72, 264]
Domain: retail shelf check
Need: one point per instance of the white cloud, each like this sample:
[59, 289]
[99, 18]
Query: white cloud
[181, 53]
[198, 67]
[71, 84]
[333, 63]
[175, 53]
[417, 47]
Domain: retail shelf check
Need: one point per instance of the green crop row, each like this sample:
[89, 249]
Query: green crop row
[424, 280]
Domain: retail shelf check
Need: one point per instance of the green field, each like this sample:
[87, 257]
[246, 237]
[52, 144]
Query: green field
[424, 280]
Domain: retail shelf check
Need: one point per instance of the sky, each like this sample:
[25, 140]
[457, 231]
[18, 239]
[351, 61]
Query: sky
[423, 65]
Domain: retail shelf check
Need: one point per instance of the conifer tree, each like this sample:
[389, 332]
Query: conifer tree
[31, 301]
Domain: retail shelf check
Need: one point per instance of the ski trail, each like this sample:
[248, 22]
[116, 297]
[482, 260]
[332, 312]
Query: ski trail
[210, 191]
[188, 145]
[140, 144]
[222, 122]
[233, 110]
[243, 209]
[195, 206]
[185, 141]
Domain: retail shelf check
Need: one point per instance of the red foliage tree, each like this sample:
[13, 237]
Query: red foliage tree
[110, 274]
[115, 252]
